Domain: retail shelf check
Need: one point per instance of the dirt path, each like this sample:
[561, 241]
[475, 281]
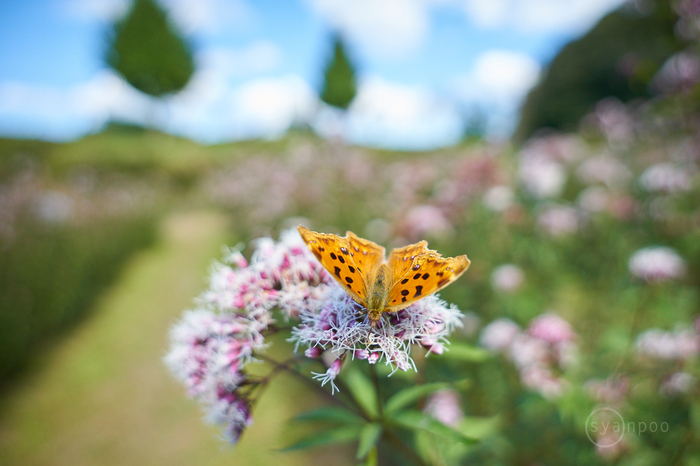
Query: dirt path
[103, 395]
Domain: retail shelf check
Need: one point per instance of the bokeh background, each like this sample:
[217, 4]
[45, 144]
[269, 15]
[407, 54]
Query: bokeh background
[556, 143]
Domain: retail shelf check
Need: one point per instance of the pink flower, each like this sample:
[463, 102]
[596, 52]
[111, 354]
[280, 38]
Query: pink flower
[425, 220]
[552, 329]
[545, 350]
[444, 405]
[611, 390]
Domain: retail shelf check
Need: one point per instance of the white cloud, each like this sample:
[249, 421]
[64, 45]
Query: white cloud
[191, 16]
[270, 106]
[504, 74]
[497, 84]
[56, 113]
[571, 16]
[207, 16]
[212, 111]
[95, 10]
[386, 28]
[258, 57]
[209, 109]
[392, 115]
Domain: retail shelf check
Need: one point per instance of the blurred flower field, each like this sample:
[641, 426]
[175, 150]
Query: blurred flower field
[583, 291]
[584, 283]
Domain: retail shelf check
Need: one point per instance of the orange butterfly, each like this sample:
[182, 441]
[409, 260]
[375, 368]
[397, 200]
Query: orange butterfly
[411, 273]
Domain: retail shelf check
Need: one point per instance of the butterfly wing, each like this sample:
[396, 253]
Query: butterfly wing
[349, 260]
[418, 272]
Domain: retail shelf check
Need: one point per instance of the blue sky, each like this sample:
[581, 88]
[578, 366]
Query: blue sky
[421, 65]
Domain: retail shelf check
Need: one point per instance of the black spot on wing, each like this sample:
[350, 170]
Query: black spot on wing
[419, 291]
[404, 292]
[425, 276]
[341, 259]
[416, 276]
[352, 269]
[348, 279]
[404, 281]
[344, 251]
[336, 271]
[333, 256]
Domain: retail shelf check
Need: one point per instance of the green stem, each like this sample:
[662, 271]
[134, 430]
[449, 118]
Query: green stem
[399, 445]
[377, 390]
[280, 366]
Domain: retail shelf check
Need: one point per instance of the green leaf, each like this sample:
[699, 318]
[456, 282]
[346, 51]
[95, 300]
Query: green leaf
[326, 437]
[330, 414]
[479, 427]
[465, 352]
[369, 436]
[372, 458]
[409, 395]
[362, 390]
[419, 422]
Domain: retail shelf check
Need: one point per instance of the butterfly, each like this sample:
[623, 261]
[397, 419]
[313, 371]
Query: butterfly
[411, 272]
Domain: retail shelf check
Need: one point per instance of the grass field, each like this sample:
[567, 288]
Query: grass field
[101, 395]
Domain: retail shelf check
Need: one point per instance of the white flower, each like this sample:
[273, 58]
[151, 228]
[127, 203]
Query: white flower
[678, 383]
[542, 176]
[654, 264]
[604, 169]
[341, 325]
[665, 177]
[507, 278]
[499, 334]
[558, 220]
[594, 199]
[679, 344]
[499, 198]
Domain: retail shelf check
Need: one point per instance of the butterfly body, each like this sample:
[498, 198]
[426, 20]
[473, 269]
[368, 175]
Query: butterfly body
[411, 272]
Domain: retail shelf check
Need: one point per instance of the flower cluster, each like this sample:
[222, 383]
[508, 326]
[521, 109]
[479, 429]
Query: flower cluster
[679, 346]
[29, 196]
[341, 327]
[540, 353]
[655, 264]
[212, 345]
[208, 355]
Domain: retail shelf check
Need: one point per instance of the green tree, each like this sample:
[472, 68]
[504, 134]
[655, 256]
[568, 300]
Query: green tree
[339, 86]
[148, 51]
[617, 58]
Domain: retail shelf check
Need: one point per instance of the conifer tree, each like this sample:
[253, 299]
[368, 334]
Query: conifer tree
[148, 51]
[339, 86]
